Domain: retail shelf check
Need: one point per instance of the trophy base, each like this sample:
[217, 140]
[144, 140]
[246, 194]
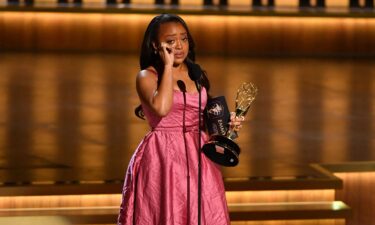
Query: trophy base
[230, 154]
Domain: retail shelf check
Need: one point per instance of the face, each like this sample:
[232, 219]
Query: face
[175, 35]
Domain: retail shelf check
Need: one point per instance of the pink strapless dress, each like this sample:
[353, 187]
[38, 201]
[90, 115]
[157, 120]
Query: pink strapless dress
[157, 188]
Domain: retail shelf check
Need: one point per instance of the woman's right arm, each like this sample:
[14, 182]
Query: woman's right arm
[158, 99]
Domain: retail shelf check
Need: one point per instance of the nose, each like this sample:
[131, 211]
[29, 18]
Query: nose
[178, 44]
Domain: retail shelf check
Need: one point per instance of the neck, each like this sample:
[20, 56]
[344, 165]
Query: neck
[179, 68]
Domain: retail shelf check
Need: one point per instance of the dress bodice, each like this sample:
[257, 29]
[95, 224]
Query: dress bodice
[174, 119]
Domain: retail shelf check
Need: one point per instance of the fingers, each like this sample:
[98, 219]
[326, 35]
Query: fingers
[166, 48]
[237, 127]
[235, 121]
[166, 53]
[232, 115]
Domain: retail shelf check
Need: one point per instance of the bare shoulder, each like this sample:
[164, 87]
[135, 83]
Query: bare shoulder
[147, 75]
[146, 82]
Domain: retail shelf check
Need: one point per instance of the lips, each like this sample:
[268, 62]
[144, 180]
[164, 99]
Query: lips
[179, 55]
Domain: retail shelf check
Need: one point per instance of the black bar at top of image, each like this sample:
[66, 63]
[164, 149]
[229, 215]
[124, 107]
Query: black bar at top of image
[126, 1]
[304, 3]
[159, 2]
[62, 1]
[369, 4]
[270, 3]
[223, 2]
[13, 2]
[77, 2]
[207, 2]
[175, 2]
[257, 3]
[353, 3]
[29, 2]
[321, 3]
[111, 2]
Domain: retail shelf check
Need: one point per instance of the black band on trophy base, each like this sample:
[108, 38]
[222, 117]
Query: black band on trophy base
[228, 156]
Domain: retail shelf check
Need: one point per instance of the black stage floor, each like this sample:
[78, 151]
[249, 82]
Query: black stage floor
[69, 117]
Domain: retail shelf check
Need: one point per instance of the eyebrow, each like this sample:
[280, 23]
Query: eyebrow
[172, 35]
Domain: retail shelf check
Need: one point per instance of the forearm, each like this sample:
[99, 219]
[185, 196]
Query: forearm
[162, 99]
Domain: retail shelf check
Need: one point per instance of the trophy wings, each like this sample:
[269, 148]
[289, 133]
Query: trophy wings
[245, 96]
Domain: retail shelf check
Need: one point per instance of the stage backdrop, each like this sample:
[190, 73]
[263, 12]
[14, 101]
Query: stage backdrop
[214, 34]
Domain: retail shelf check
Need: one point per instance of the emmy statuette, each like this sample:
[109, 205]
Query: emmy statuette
[221, 148]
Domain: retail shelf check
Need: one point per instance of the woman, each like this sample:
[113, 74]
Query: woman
[161, 182]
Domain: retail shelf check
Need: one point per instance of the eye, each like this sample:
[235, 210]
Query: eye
[170, 42]
[185, 39]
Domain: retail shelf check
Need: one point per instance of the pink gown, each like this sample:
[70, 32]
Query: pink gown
[157, 188]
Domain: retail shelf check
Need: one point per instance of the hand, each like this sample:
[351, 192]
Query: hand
[167, 54]
[235, 122]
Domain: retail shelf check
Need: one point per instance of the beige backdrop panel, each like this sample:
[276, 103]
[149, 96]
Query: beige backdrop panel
[213, 34]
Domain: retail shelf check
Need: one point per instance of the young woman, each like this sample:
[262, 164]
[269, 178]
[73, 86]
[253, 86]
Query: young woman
[161, 182]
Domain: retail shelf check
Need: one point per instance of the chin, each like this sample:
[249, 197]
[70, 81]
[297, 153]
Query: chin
[178, 62]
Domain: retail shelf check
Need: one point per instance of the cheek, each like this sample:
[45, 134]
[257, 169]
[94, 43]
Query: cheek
[186, 46]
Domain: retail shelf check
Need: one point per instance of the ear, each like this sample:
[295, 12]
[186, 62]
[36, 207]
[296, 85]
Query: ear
[155, 46]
